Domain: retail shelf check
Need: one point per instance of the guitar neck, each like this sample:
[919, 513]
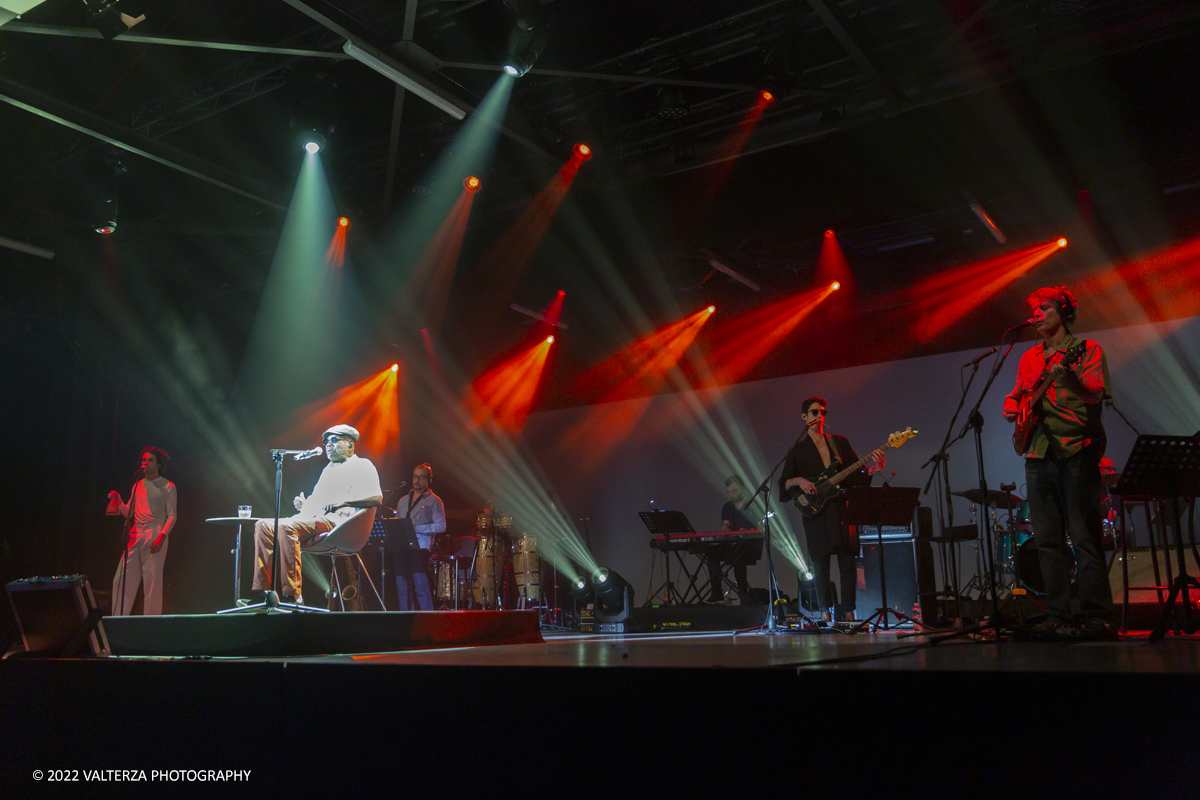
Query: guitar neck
[855, 467]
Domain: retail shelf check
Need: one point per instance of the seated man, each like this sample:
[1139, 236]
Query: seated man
[347, 484]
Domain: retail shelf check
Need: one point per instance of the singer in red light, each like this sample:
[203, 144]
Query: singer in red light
[1062, 465]
[149, 516]
[347, 484]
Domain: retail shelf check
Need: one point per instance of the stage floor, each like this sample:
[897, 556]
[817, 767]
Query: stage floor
[691, 714]
[813, 651]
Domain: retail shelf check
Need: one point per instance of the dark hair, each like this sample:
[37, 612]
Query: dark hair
[805, 405]
[735, 479]
[1062, 298]
[160, 456]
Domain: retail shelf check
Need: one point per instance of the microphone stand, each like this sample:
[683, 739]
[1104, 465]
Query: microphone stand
[939, 461]
[769, 626]
[271, 600]
[975, 420]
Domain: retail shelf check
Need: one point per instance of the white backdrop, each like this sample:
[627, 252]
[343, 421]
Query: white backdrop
[1154, 369]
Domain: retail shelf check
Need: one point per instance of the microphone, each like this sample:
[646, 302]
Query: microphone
[316, 451]
[814, 422]
[1029, 323]
[981, 357]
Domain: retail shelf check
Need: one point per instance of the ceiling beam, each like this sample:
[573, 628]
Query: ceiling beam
[55, 110]
[172, 41]
[833, 22]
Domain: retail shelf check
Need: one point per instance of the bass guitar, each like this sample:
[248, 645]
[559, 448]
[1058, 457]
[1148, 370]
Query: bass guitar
[827, 482]
[1029, 414]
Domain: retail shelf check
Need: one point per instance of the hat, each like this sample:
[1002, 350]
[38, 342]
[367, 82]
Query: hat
[341, 430]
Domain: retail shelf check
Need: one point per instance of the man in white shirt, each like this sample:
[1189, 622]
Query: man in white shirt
[347, 484]
[151, 512]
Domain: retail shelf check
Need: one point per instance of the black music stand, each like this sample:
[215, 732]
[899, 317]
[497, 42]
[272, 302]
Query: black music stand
[666, 523]
[879, 506]
[1166, 468]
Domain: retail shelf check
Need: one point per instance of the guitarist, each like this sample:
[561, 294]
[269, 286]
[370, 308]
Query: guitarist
[1062, 467]
[825, 533]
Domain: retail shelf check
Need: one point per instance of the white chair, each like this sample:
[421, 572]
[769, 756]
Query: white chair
[345, 541]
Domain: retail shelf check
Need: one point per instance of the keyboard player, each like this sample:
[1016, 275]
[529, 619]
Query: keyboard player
[733, 518]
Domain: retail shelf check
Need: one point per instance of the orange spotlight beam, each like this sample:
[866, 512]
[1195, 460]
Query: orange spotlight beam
[943, 299]
[748, 338]
[505, 393]
[372, 405]
[639, 370]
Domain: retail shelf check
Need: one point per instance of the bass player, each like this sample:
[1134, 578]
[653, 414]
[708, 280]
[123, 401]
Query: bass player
[1062, 466]
[825, 532]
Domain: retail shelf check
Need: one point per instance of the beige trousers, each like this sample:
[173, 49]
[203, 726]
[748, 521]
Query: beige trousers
[293, 532]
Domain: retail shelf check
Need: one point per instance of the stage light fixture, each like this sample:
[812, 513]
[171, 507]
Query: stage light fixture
[344, 222]
[711, 309]
[471, 184]
[835, 285]
[527, 39]
[829, 234]
[393, 70]
[614, 597]
[766, 97]
[1062, 242]
[109, 228]
[583, 152]
[396, 367]
[549, 340]
[313, 143]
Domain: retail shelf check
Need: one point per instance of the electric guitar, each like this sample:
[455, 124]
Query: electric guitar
[1029, 414]
[827, 482]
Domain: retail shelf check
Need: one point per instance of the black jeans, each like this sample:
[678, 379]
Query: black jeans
[826, 538]
[1064, 501]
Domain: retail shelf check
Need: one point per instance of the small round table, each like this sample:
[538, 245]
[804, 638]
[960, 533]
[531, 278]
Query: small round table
[237, 548]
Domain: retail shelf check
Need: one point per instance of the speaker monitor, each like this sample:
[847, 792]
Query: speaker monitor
[54, 614]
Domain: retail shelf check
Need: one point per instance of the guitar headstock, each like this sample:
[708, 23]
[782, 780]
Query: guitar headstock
[900, 437]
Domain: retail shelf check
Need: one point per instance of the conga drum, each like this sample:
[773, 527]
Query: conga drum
[483, 590]
[527, 567]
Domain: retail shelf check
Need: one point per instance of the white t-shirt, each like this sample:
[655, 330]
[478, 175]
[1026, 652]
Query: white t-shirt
[153, 503]
[353, 479]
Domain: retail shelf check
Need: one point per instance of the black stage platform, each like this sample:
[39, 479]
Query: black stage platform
[622, 716]
[287, 634]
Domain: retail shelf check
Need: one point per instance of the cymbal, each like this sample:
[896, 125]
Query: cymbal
[994, 497]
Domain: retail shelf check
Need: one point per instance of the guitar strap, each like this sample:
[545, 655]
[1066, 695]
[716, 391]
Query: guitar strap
[833, 448]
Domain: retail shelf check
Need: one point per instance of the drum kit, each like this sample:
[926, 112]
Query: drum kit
[1016, 556]
[496, 568]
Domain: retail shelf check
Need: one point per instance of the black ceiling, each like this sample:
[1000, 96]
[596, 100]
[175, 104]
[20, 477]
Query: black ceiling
[892, 118]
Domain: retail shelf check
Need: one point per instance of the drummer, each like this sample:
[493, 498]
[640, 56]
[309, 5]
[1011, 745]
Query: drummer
[428, 515]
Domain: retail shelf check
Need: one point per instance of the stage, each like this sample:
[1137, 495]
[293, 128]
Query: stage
[588, 715]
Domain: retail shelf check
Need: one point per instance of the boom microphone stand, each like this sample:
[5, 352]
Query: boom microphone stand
[271, 601]
[769, 626]
[975, 421]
